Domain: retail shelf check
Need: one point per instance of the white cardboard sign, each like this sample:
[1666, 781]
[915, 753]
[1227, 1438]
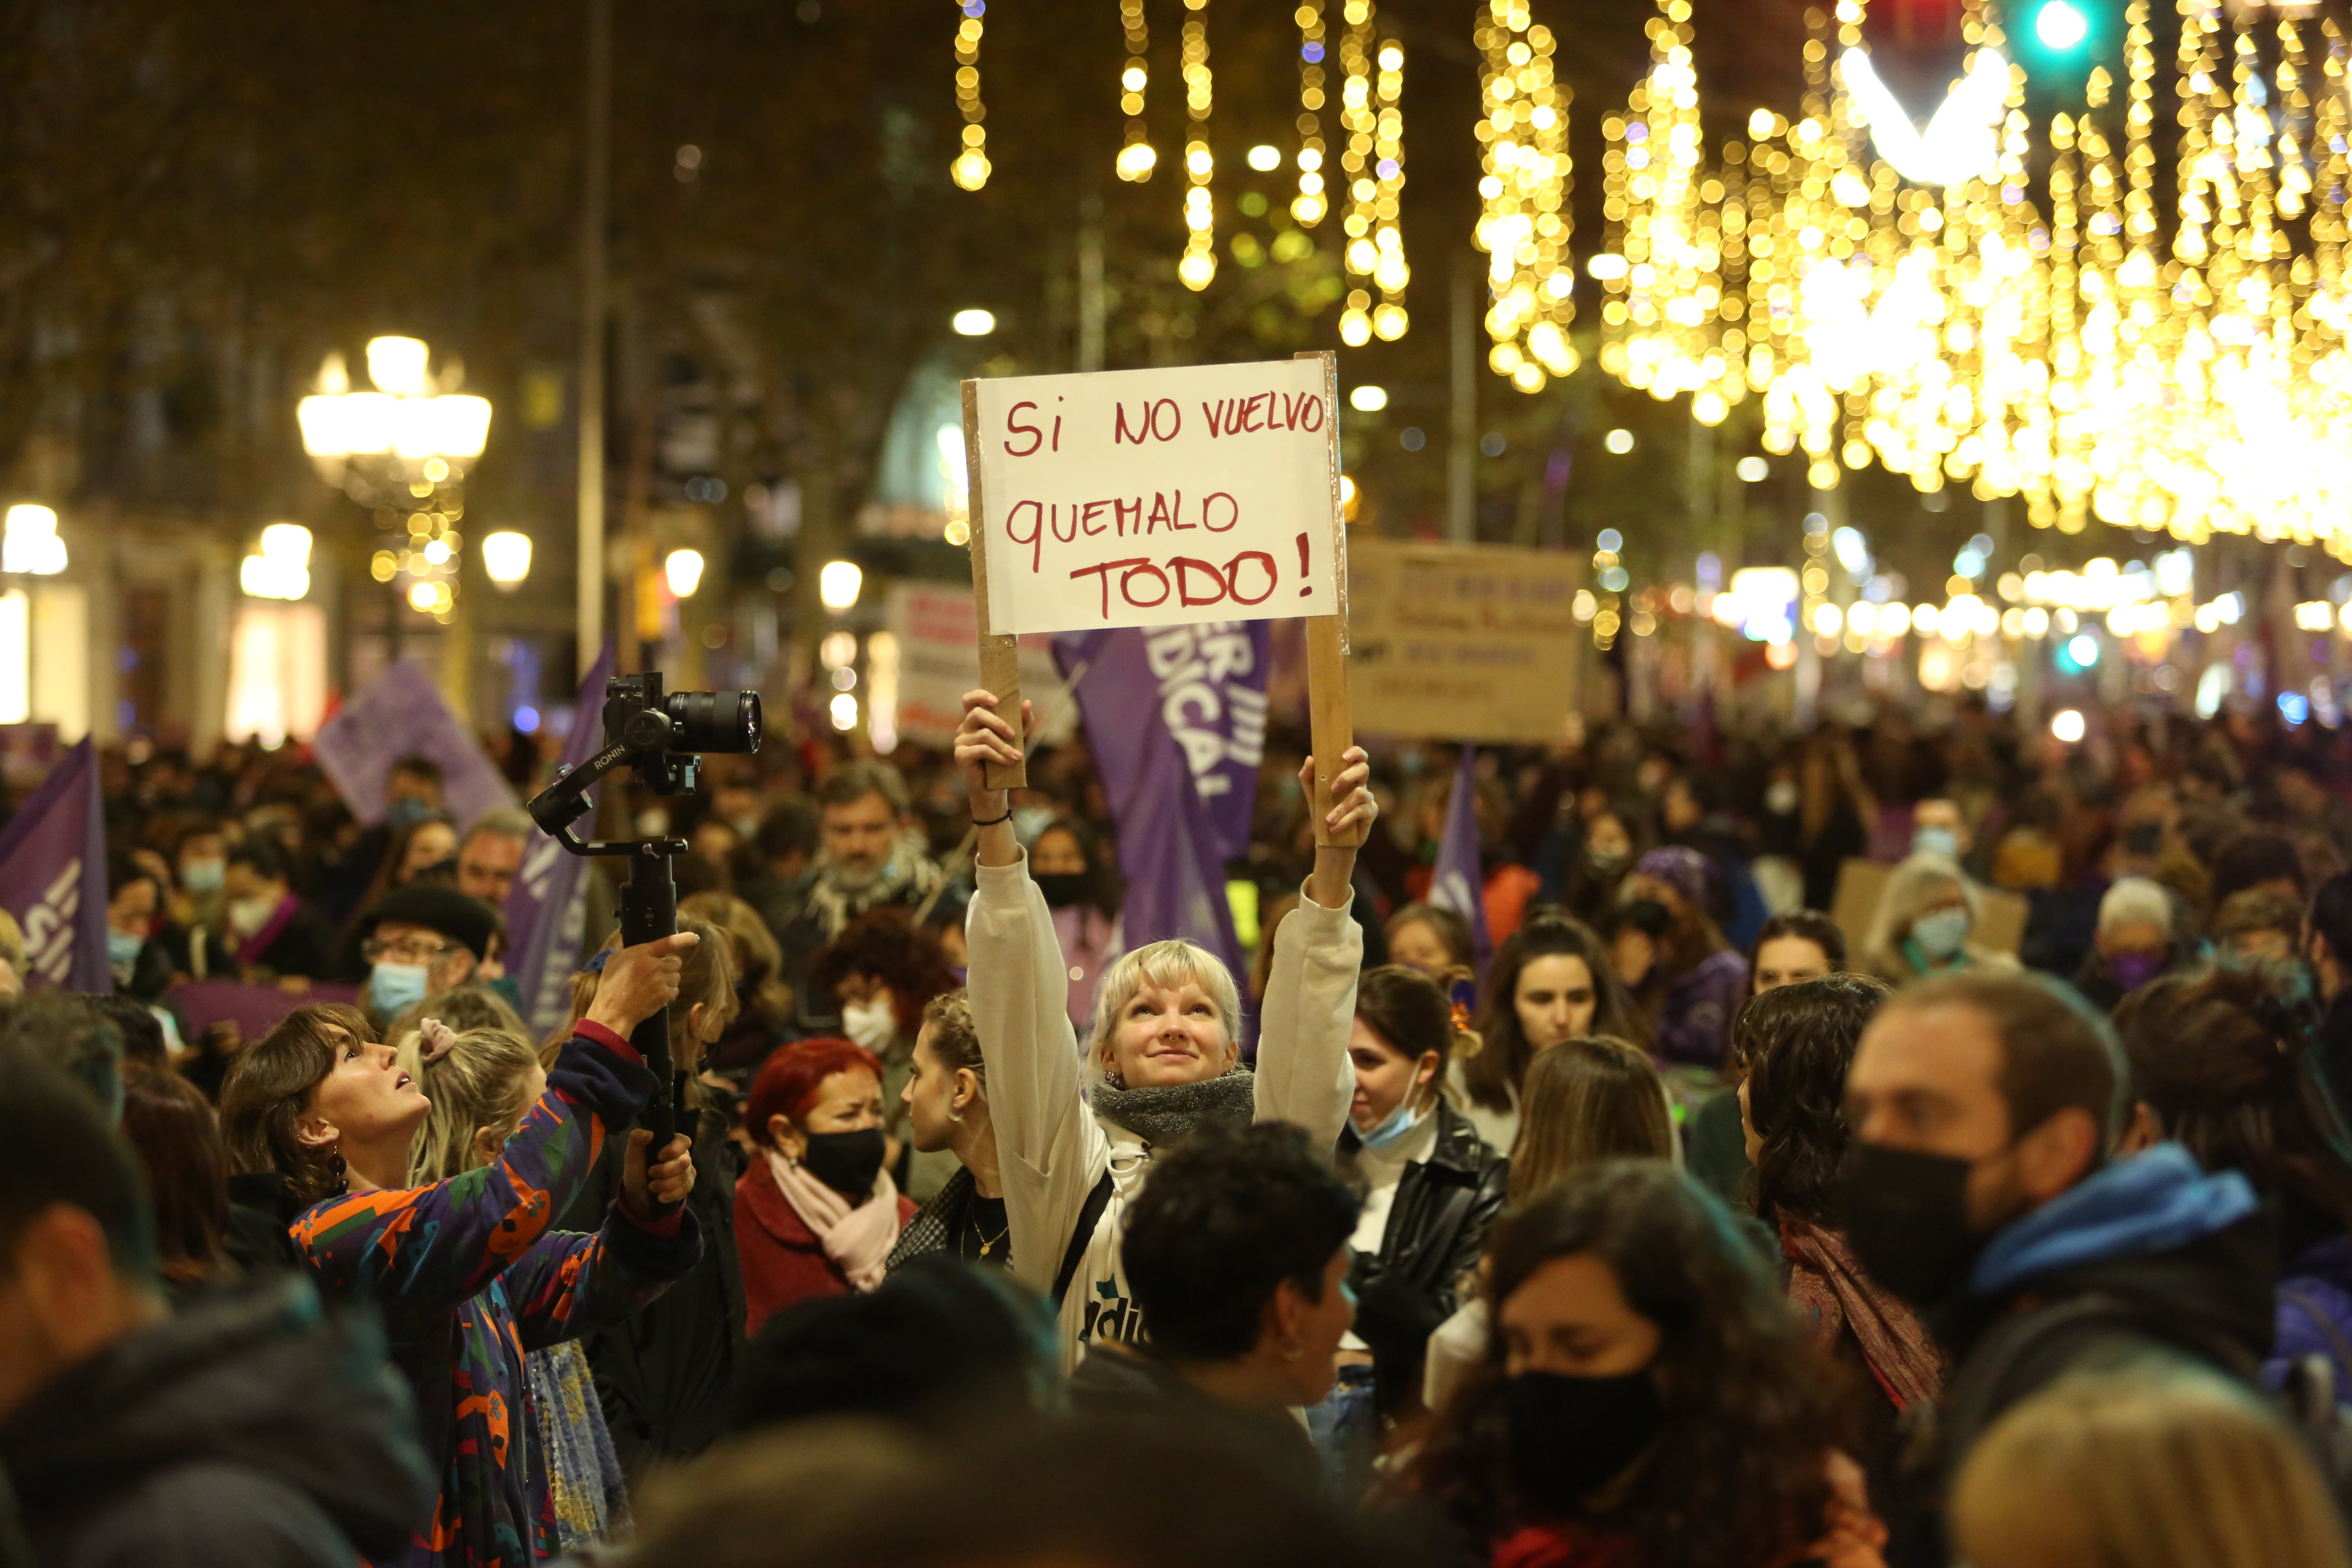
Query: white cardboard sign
[1154, 498]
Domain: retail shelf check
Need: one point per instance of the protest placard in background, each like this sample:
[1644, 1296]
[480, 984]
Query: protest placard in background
[1148, 498]
[937, 631]
[1461, 642]
[398, 714]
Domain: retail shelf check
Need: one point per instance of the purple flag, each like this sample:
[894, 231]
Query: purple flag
[53, 877]
[1176, 718]
[401, 715]
[547, 909]
[1458, 882]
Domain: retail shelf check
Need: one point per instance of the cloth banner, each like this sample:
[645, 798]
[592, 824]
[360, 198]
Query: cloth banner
[1458, 882]
[254, 1009]
[547, 908]
[401, 715]
[1176, 718]
[53, 877]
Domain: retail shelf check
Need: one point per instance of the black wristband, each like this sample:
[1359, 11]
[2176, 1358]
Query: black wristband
[992, 821]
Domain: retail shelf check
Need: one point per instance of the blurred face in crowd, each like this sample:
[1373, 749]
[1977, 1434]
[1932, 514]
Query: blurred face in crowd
[859, 835]
[1416, 945]
[203, 863]
[1307, 1333]
[1681, 807]
[1606, 840]
[2269, 946]
[487, 867]
[715, 839]
[431, 844]
[363, 1099]
[243, 881]
[2133, 938]
[849, 1102]
[445, 961]
[418, 788]
[1555, 997]
[132, 910]
[1571, 1318]
[1926, 1079]
[1657, 891]
[935, 1096]
[1942, 815]
[1789, 961]
[1057, 853]
[1386, 1077]
[1169, 1035]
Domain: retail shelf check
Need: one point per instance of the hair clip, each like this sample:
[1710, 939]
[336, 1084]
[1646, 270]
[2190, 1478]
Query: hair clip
[595, 964]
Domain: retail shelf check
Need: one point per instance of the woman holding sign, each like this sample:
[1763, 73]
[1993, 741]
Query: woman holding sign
[1164, 1057]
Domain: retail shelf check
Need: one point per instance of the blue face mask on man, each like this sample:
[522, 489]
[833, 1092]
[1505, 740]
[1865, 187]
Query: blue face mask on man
[394, 988]
[123, 948]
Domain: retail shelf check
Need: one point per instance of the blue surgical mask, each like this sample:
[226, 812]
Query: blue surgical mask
[1400, 1122]
[394, 988]
[1937, 841]
[204, 876]
[123, 948]
[1942, 934]
[1028, 821]
[405, 811]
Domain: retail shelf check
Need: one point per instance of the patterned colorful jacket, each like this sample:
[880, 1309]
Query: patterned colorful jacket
[469, 1277]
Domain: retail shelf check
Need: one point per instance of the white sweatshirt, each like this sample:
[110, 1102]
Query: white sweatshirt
[1051, 1149]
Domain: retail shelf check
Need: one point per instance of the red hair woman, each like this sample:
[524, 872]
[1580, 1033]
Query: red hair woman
[817, 1214]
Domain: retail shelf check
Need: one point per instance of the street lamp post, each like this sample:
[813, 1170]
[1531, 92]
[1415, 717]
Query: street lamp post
[402, 450]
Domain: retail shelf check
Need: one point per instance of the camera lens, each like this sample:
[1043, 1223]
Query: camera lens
[715, 720]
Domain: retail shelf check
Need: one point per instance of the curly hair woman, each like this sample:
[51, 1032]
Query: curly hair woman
[883, 970]
[1796, 1042]
[1646, 1399]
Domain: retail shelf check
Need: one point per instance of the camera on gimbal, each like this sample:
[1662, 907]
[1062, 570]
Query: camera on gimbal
[660, 739]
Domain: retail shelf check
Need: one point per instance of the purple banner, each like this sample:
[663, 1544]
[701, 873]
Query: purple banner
[401, 715]
[548, 906]
[1458, 881]
[53, 877]
[254, 1009]
[1176, 718]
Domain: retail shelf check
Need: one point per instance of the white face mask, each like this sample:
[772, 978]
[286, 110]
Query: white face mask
[247, 916]
[1780, 797]
[871, 1023]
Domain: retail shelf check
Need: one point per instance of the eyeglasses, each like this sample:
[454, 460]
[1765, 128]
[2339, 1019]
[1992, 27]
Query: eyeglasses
[407, 949]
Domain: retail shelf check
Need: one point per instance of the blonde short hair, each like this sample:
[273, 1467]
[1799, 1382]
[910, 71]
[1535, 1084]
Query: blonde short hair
[478, 1082]
[2145, 1468]
[1168, 964]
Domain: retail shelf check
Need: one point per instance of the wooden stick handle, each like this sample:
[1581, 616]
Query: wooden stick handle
[1000, 672]
[1330, 720]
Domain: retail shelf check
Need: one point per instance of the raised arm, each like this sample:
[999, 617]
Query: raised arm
[421, 1251]
[1049, 1149]
[1303, 1073]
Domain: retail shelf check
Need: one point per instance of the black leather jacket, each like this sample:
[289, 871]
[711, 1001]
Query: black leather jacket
[1436, 1230]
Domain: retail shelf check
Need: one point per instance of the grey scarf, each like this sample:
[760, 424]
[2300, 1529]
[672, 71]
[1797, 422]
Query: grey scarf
[1160, 1115]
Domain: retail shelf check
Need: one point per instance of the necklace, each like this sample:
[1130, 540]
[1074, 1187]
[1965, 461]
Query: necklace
[988, 1243]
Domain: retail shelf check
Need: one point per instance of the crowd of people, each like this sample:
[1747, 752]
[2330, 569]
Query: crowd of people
[1896, 1143]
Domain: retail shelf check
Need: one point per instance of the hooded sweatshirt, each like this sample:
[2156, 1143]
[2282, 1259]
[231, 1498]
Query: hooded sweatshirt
[2149, 1256]
[252, 1431]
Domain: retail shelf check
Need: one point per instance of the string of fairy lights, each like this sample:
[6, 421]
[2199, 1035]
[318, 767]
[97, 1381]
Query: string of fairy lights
[1992, 301]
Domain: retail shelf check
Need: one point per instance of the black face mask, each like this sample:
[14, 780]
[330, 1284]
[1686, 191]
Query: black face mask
[1906, 1218]
[1063, 888]
[845, 1162]
[1573, 1436]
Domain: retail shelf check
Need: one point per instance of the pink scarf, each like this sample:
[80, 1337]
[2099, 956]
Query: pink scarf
[857, 1240]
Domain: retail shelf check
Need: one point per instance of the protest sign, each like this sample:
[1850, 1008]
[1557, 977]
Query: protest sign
[53, 877]
[936, 631]
[1463, 642]
[401, 715]
[1151, 498]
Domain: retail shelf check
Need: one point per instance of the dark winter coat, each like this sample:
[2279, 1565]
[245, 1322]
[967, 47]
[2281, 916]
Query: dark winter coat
[667, 1375]
[249, 1431]
[2149, 1259]
[1436, 1228]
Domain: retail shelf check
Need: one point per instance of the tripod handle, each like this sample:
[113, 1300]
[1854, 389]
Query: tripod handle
[648, 913]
